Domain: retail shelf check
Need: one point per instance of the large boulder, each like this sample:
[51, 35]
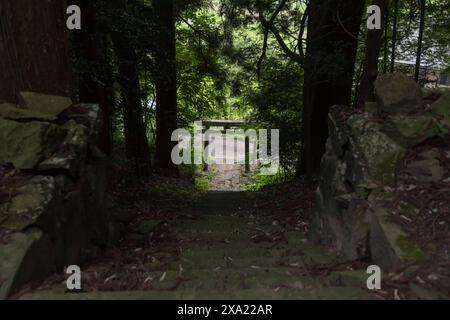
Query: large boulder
[339, 132]
[409, 131]
[374, 157]
[442, 105]
[398, 94]
[390, 247]
[431, 95]
[72, 241]
[95, 196]
[441, 108]
[331, 180]
[26, 257]
[54, 212]
[71, 153]
[89, 115]
[35, 203]
[26, 144]
[359, 170]
[356, 230]
[43, 103]
[13, 112]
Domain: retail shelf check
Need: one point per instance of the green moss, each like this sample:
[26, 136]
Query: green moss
[379, 194]
[409, 250]
[202, 183]
[174, 191]
[259, 180]
[203, 179]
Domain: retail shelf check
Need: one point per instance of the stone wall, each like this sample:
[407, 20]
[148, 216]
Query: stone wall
[364, 153]
[53, 206]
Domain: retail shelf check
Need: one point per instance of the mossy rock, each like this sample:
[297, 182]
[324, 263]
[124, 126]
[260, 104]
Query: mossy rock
[356, 230]
[26, 257]
[408, 250]
[389, 245]
[409, 131]
[373, 157]
[35, 203]
[398, 94]
[442, 106]
[12, 112]
[43, 103]
[25, 145]
[70, 155]
[338, 128]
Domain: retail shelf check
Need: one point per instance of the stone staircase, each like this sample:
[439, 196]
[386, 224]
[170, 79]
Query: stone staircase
[226, 251]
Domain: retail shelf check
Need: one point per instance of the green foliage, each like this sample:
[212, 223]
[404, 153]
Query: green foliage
[201, 76]
[436, 41]
[202, 182]
[441, 130]
[201, 179]
[219, 48]
[259, 181]
[278, 101]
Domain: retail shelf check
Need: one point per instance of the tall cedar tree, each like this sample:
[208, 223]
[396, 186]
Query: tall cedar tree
[166, 83]
[34, 49]
[420, 40]
[136, 143]
[394, 34]
[372, 53]
[333, 29]
[94, 72]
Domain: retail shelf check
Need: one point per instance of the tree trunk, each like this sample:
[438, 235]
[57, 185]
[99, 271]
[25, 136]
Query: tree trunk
[372, 54]
[90, 47]
[420, 40]
[333, 29]
[34, 49]
[166, 83]
[394, 35]
[386, 38]
[136, 143]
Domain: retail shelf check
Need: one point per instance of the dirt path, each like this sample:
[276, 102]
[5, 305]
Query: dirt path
[228, 177]
[219, 247]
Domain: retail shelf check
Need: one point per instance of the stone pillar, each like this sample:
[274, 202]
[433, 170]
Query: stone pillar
[247, 154]
[205, 144]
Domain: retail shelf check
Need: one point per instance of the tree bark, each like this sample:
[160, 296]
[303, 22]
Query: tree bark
[333, 29]
[372, 54]
[94, 81]
[386, 38]
[166, 83]
[394, 35]
[34, 49]
[136, 143]
[420, 40]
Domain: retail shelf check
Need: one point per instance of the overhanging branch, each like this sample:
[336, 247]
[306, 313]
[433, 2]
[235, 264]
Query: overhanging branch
[269, 25]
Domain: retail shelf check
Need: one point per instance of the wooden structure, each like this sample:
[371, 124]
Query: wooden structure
[228, 124]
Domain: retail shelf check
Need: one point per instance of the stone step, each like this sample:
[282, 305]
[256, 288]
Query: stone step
[224, 202]
[251, 278]
[328, 293]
